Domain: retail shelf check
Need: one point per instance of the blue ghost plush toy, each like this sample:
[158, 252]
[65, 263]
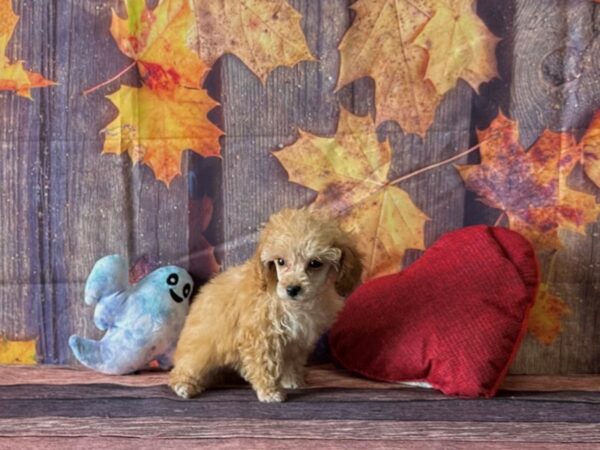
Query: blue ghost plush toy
[142, 321]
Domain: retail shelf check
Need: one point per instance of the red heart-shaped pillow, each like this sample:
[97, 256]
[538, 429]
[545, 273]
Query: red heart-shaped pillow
[454, 319]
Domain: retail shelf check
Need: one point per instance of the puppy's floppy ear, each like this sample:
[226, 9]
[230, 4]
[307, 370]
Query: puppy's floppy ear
[350, 266]
[263, 265]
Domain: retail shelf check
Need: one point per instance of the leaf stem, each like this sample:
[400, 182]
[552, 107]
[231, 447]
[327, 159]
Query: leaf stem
[499, 219]
[98, 86]
[438, 164]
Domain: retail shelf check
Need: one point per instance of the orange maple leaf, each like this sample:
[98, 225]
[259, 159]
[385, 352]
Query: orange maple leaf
[154, 127]
[13, 76]
[350, 174]
[158, 41]
[264, 34]
[415, 50]
[168, 114]
[17, 352]
[531, 186]
[590, 145]
[545, 316]
[379, 44]
[459, 46]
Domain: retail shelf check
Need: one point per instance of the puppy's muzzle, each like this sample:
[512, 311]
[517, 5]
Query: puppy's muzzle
[293, 291]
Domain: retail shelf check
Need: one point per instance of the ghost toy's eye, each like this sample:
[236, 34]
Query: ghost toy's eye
[186, 289]
[173, 279]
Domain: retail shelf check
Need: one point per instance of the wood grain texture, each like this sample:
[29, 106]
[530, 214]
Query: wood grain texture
[259, 119]
[323, 376]
[63, 205]
[384, 430]
[81, 409]
[439, 193]
[317, 405]
[555, 85]
[23, 394]
[69, 205]
[228, 443]
[21, 194]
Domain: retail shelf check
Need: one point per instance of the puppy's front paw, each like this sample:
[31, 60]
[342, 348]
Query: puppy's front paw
[185, 390]
[184, 387]
[271, 396]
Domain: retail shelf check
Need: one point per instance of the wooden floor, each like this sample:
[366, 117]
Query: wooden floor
[60, 408]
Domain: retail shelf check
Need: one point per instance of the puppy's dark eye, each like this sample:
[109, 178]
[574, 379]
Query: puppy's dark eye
[315, 264]
[173, 279]
[186, 289]
[280, 262]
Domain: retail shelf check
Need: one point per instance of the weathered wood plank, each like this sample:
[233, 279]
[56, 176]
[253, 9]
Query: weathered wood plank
[318, 377]
[63, 205]
[555, 85]
[117, 443]
[315, 405]
[123, 209]
[439, 193]
[74, 205]
[385, 430]
[243, 393]
[22, 190]
[551, 383]
[259, 119]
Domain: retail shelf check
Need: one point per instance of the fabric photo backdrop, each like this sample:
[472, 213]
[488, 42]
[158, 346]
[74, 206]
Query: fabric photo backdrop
[167, 131]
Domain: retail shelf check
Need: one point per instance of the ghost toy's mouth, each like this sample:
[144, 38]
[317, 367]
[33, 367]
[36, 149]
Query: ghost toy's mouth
[175, 297]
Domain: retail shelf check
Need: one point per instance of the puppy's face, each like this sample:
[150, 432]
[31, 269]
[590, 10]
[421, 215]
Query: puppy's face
[305, 273]
[301, 256]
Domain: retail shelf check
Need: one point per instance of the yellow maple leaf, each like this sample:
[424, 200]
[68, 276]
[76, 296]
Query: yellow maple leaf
[415, 51]
[17, 352]
[158, 41]
[264, 34]
[14, 77]
[379, 44]
[545, 316]
[590, 145]
[531, 186]
[350, 174]
[155, 126]
[459, 46]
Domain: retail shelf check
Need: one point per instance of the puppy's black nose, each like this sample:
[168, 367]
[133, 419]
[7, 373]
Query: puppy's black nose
[293, 290]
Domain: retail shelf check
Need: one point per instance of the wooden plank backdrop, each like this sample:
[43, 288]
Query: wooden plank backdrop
[63, 204]
[552, 80]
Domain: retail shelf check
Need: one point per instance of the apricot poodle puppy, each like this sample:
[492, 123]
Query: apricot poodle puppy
[263, 318]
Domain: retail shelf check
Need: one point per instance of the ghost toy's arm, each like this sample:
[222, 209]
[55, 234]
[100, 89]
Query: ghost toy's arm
[109, 309]
[109, 276]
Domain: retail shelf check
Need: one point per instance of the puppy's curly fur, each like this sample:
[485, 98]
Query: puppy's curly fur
[263, 318]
